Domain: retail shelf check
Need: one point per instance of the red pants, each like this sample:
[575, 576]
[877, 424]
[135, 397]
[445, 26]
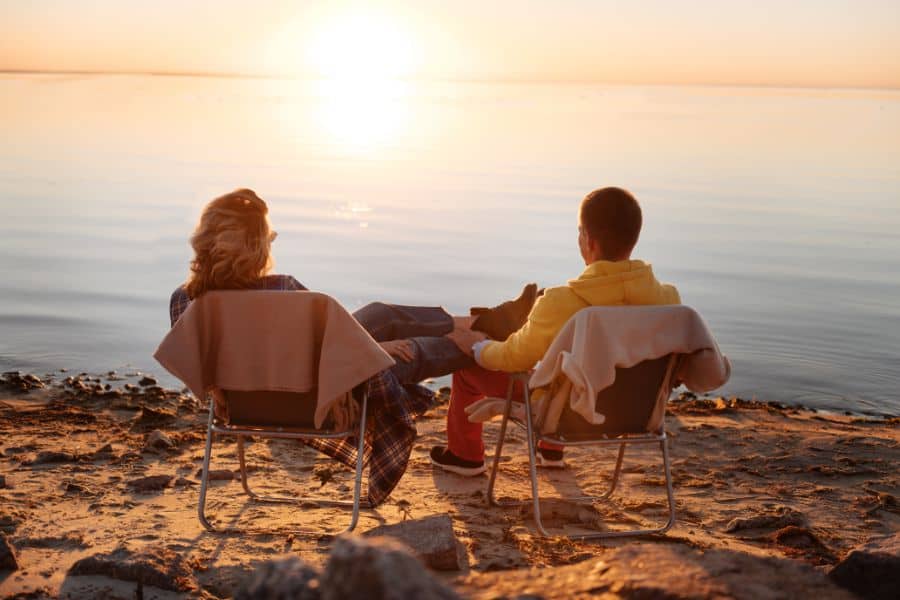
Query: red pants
[470, 385]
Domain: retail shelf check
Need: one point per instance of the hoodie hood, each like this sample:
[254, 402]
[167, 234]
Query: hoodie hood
[621, 282]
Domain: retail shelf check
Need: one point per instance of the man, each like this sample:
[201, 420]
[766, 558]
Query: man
[609, 224]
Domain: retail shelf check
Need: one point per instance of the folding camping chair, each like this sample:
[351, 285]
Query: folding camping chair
[265, 359]
[281, 415]
[628, 405]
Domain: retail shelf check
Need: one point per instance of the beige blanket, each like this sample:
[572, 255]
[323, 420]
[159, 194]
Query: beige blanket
[598, 339]
[271, 340]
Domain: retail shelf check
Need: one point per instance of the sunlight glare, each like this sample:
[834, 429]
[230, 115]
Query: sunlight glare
[364, 116]
[363, 46]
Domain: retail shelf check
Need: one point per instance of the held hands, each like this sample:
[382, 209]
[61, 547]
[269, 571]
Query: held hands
[464, 338]
[402, 349]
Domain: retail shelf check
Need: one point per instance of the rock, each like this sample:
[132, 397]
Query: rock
[147, 381]
[47, 457]
[17, 382]
[872, 570]
[780, 518]
[217, 474]
[75, 488]
[432, 539]
[184, 482]
[157, 440]
[158, 567]
[150, 484]
[665, 572]
[8, 561]
[324, 473]
[286, 579]
[800, 541]
[378, 569]
[105, 450]
[151, 418]
[9, 523]
[2, 481]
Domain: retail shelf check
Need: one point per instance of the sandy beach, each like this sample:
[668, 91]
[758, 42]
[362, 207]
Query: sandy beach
[775, 496]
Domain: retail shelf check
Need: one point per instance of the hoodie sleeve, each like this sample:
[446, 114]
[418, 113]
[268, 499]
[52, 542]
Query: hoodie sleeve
[670, 293]
[526, 346]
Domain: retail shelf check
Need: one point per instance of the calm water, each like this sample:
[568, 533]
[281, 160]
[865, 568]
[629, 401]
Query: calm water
[776, 212]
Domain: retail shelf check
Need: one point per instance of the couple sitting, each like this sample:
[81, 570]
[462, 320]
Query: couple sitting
[232, 246]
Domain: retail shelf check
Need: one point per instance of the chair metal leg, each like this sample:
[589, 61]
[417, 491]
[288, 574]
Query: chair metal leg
[616, 473]
[204, 476]
[355, 504]
[670, 495]
[501, 438]
[244, 479]
[357, 485]
[498, 450]
[532, 466]
[670, 491]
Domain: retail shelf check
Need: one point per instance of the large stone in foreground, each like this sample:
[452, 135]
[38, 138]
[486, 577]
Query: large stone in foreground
[158, 567]
[431, 538]
[8, 561]
[378, 569]
[662, 571]
[873, 569]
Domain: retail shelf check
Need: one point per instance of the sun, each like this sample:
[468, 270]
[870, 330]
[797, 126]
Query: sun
[363, 46]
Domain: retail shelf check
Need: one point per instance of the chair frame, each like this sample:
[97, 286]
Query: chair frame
[216, 427]
[621, 440]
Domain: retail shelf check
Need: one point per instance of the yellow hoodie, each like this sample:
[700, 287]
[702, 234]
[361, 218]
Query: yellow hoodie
[603, 283]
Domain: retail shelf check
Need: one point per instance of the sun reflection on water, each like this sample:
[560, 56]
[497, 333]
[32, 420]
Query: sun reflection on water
[363, 116]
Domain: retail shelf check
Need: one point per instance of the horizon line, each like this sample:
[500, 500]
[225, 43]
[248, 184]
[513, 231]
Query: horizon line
[498, 80]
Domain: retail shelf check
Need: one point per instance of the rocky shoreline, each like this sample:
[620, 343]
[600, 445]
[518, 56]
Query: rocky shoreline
[98, 490]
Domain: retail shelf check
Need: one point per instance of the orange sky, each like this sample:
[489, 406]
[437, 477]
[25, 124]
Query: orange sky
[795, 42]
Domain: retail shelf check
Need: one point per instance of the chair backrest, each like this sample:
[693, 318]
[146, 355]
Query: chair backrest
[271, 340]
[629, 404]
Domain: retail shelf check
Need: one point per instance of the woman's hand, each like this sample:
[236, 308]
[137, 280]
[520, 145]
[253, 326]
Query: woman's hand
[465, 338]
[402, 349]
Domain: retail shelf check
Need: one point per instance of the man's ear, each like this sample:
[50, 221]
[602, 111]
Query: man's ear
[594, 247]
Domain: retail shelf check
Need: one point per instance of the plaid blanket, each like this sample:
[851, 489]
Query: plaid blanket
[390, 433]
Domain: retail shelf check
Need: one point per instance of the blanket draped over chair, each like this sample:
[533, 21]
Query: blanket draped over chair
[248, 340]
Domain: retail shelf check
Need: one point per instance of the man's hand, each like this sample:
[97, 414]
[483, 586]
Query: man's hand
[464, 338]
[402, 349]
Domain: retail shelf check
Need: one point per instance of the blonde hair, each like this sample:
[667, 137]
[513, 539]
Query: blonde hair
[231, 244]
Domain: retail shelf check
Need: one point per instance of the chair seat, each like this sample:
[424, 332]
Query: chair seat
[268, 409]
[627, 404]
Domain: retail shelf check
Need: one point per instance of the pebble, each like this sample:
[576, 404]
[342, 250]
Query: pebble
[158, 440]
[150, 484]
[104, 450]
[218, 474]
[46, 457]
[75, 488]
[154, 566]
[18, 382]
[147, 381]
[8, 560]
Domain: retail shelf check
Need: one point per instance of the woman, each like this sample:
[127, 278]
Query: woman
[232, 246]
[232, 250]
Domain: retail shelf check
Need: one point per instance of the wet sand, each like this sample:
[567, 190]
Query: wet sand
[752, 479]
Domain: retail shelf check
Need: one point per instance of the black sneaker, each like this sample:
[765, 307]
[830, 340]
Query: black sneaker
[443, 458]
[550, 459]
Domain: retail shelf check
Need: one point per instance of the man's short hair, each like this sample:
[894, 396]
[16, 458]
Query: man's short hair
[612, 217]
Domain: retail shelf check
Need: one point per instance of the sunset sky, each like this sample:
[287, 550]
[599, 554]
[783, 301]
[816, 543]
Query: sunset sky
[770, 42]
